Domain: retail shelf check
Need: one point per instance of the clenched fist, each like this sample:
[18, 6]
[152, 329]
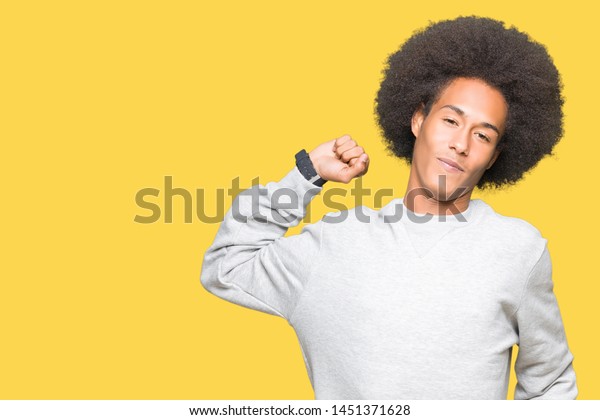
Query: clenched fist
[340, 160]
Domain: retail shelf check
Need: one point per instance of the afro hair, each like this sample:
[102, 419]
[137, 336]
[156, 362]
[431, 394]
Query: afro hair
[475, 47]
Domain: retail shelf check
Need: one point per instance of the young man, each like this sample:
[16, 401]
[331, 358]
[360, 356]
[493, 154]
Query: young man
[425, 298]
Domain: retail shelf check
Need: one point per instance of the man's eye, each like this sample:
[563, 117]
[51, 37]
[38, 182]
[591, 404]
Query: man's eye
[483, 137]
[451, 121]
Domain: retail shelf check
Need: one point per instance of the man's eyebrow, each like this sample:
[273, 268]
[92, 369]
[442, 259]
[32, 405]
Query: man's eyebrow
[461, 113]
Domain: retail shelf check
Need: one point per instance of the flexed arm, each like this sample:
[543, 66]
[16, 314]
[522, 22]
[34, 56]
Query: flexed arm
[250, 262]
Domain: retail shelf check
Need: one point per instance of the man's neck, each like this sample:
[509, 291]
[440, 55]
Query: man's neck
[421, 204]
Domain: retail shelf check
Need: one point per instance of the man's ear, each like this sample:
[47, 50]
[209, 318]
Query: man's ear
[417, 120]
[494, 157]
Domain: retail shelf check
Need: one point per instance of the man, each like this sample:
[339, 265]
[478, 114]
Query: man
[426, 298]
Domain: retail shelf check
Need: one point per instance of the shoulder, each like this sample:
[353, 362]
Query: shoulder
[351, 218]
[365, 216]
[356, 221]
[352, 233]
[510, 226]
[512, 237]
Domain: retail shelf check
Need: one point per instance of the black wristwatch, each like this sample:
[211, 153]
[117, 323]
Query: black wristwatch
[307, 169]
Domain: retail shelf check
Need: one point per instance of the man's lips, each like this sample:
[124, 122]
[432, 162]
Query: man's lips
[451, 163]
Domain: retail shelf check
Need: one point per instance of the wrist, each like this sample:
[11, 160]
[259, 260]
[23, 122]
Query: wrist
[307, 168]
[314, 161]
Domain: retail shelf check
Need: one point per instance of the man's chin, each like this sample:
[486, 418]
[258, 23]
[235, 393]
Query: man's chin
[449, 195]
[441, 196]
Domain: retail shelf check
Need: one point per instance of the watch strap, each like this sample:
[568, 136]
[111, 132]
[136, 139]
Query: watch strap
[307, 169]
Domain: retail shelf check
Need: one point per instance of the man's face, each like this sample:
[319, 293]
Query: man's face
[456, 142]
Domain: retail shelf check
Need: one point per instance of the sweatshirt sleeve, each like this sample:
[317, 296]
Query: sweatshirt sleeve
[250, 262]
[544, 365]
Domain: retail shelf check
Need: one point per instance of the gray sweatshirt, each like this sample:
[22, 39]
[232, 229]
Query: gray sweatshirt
[389, 304]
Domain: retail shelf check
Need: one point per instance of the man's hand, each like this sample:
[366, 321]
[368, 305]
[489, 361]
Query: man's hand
[340, 160]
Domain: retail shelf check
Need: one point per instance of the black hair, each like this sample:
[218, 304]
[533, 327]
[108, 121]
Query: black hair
[475, 47]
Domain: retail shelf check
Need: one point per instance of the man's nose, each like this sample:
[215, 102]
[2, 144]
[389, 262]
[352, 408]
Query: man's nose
[460, 142]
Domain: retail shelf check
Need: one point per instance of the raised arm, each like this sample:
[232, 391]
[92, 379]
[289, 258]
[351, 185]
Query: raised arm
[250, 262]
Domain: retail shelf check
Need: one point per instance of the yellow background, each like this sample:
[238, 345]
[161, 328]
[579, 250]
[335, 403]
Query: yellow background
[101, 99]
